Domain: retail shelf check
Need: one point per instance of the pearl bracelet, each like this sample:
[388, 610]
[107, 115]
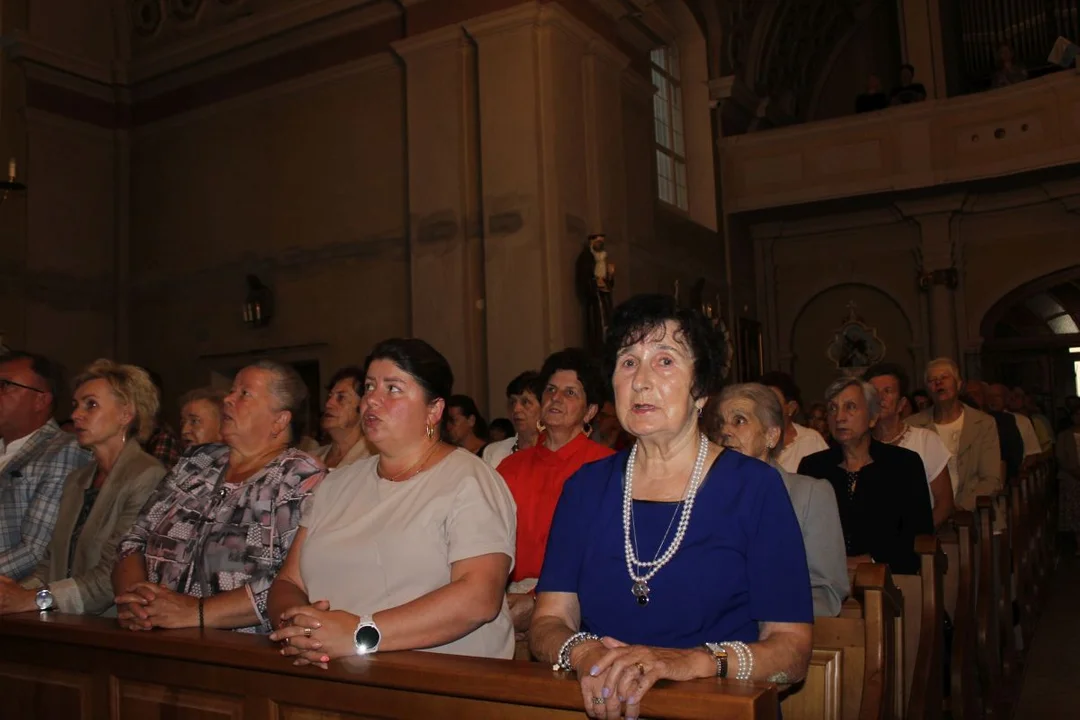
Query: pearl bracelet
[745, 655]
[563, 661]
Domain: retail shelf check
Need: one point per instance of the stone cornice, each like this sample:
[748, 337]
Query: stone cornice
[265, 34]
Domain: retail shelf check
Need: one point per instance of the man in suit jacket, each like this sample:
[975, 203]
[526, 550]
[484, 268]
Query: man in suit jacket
[36, 458]
[970, 435]
[1009, 438]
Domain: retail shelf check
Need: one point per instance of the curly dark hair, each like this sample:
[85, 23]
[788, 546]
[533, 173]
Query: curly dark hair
[644, 315]
[578, 361]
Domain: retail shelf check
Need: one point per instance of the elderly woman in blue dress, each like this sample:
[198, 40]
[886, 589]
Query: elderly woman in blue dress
[675, 559]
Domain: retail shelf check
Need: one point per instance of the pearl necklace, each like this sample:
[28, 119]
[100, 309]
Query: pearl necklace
[640, 588]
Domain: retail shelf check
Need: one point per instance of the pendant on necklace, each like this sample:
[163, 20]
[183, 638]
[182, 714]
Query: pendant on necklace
[641, 592]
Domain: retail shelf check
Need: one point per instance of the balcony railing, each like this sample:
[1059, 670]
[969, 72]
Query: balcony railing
[1028, 126]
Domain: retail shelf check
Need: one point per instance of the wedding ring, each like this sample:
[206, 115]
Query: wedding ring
[307, 632]
[598, 701]
[640, 667]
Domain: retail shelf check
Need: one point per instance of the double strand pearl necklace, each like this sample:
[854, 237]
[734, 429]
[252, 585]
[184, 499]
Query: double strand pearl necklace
[640, 588]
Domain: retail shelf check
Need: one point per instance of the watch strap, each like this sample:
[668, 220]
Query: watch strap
[719, 655]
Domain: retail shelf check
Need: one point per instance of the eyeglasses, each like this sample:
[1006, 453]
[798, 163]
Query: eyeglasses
[6, 385]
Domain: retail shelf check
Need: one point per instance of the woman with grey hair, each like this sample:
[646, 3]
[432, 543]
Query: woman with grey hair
[211, 538]
[880, 488]
[748, 418]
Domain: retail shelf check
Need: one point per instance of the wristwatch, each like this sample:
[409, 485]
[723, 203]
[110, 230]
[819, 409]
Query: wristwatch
[45, 600]
[719, 654]
[367, 637]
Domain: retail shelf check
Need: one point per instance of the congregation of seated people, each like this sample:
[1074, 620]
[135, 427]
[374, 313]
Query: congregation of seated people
[629, 521]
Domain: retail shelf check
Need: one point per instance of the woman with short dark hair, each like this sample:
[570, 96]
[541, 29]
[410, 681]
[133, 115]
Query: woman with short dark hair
[211, 538]
[406, 550]
[635, 588]
[523, 395]
[573, 392]
[341, 420]
[465, 426]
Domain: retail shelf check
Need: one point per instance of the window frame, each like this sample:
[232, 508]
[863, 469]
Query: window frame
[672, 187]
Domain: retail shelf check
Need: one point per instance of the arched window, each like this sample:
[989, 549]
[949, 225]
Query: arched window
[669, 132]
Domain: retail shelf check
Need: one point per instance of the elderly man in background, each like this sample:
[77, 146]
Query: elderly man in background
[1012, 445]
[35, 458]
[969, 435]
[997, 398]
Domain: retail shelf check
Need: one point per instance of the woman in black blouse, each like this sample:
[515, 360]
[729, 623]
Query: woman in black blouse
[880, 488]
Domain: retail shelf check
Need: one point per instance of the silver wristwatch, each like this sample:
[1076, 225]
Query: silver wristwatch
[45, 600]
[367, 637]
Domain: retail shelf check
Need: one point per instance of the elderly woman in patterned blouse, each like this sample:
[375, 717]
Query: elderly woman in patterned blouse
[210, 540]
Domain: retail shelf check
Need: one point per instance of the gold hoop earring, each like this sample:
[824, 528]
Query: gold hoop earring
[540, 426]
[587, 429]
[430, 430]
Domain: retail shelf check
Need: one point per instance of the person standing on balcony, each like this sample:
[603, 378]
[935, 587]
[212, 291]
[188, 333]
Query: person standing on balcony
[907, 91]
[1008, 72]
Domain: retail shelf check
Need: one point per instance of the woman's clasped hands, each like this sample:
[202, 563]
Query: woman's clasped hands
[314, 634]
[615, 676]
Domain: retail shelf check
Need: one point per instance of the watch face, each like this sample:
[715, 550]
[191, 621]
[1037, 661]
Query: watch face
[44, 600]
[367, 639]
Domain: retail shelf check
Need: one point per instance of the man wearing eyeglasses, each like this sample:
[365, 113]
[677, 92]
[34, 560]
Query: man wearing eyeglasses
[35, 458]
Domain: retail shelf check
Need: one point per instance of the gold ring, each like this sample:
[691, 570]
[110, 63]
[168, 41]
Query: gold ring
[598, 701]
[307, 632]
[640, 667]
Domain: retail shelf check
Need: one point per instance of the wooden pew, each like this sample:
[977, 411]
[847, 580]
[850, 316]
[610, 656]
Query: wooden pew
[986, 611]
[960, 548]
[920, 631]
[1006, 595]
[851, 673]
[1024, 584]
[67, 666]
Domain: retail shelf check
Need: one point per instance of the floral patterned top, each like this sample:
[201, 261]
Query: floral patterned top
[196, 526]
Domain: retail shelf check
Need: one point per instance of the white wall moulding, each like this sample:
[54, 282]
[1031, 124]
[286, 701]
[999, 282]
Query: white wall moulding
[1019, 128]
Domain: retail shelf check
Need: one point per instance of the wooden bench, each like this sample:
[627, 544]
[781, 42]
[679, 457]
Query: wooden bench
[851, 674]
[68, 666]
[959, 542]
[920, 629]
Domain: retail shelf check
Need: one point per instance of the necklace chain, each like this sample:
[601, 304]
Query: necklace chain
[409, 472]
[640, 588]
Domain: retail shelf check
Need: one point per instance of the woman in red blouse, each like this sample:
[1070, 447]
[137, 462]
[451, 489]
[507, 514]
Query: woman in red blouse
[573, 392]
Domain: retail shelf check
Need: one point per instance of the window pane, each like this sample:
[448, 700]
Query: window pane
[1044, 306]
[676, 97]
[663, 137]
[680, 185]
[663, 165]
[678, 146]
[658, 58]
[1063, 325]
[673, 63]
[658, 84]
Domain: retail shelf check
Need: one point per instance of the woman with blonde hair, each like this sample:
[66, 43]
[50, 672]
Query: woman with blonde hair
[114, 410]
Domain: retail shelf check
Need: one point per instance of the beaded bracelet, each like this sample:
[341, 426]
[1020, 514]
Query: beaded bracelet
[564, 652]
[201, 626]
[746, 658]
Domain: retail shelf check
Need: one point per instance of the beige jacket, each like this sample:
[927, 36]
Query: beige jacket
[89, 588]
[978, 459]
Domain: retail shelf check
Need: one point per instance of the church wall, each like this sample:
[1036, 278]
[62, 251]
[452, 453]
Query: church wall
[998, 242]
[304, 186]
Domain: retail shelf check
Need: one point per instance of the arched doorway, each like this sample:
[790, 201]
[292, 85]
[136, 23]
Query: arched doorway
[1031, 338]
